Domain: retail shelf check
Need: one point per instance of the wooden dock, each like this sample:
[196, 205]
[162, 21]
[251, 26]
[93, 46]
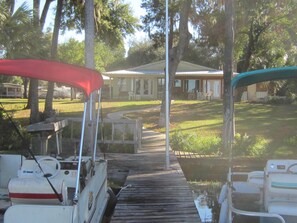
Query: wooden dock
[153, 194]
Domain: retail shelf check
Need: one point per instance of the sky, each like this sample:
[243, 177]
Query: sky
[134, 4]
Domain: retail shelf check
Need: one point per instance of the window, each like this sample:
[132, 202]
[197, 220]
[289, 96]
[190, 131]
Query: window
[122, 83]
[161, 84]
[137, 86]
[177, 83]
[192, 85]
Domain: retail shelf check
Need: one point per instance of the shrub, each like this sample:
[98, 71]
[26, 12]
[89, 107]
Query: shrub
[194, 143]
[291, 141]
[245, 145]
[9, 138]
[277, 100]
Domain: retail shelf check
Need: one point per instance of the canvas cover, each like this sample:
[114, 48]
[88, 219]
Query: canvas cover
[83, 78]
[270, 74]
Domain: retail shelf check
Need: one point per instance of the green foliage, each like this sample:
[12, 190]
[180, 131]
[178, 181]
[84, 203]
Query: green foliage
[9, 139]
[154, 20]
[291, 141]
[72, 52]
[192, 142]
[280, 100]
[245, 145]
[119, 148]
[144, 52]
[264, 35]
[113, 20]
[18, 32]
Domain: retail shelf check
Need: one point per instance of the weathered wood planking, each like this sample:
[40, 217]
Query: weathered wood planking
[154, 194]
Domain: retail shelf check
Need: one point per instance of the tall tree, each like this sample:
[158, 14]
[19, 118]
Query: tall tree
[19, 32]
[176, 53]
[113, 19]
[264, 37]
[90, 63]
[33, 95]
[154, 24]
[143, 52]
[48, 106]
[72, 52]
[154, 21]
[33, 102]
[228, 71]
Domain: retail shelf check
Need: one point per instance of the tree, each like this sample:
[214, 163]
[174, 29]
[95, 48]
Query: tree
[176, 53]
[37, 22]
[144, 52]
[90, 63]
[113, 21]
[228, 72]
[48, 106]
[154, 24]
[264, 37]
[19, 32]
[72, 52]
[154, 21]
[264, 34]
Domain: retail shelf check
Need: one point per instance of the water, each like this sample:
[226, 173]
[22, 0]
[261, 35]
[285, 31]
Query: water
[204, 210]
[205, 194]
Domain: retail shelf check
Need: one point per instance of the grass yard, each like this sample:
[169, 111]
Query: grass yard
[273, 124]
[68, 108]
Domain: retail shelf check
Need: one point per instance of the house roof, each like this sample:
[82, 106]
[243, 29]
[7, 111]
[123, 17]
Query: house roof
[156, 69]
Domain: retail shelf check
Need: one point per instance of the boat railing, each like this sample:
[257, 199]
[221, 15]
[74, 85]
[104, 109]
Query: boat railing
[232, 209]
[237, 211]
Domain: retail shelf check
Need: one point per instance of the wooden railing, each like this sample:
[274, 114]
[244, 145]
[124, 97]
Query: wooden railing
[116, 131]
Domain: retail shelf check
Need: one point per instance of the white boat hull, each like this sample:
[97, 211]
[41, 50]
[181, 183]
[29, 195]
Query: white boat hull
[89, 207]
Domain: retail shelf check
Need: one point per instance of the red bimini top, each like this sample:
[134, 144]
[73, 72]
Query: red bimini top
[83, 78]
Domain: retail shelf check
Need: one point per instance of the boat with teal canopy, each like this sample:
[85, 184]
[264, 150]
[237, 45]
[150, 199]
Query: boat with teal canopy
[265, 196]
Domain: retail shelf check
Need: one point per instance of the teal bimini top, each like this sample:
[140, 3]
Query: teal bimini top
[270, 74]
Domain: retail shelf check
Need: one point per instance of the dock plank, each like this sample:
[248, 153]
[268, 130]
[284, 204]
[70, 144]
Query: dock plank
[154, 194]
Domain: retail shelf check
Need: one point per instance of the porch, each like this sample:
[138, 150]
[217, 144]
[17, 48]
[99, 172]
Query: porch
[147, 82]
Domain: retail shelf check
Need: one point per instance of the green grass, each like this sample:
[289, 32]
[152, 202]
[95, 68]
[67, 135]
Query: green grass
[68, 108]
[275, 123]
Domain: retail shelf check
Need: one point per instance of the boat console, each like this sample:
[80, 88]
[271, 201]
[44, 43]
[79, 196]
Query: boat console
[280, 189]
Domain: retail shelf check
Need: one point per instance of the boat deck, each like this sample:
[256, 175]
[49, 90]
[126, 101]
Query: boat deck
[153, 194]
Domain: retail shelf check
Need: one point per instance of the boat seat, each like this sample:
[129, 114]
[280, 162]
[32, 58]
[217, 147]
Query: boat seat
[37, 191]
[281, 189]
[256, 178]
[283, 208]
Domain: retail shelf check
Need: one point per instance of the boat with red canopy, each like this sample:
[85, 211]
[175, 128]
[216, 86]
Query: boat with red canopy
[55, 188]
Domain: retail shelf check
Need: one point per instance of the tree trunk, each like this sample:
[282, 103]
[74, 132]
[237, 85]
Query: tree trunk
[33, 86]
[25, 81]
[33, 90]
[45, 11]
[34, 112]
[89, 59]
[48, 107]
[228, 71]
[175, 55]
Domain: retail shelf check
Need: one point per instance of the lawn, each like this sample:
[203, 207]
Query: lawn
[274, 123]
[68, 108]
